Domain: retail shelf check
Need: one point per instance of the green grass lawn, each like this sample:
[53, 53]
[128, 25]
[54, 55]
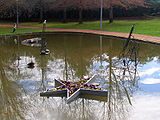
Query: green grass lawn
[8, 30]
[145, 27]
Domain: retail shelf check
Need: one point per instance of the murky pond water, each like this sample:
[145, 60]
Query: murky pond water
[131, 76]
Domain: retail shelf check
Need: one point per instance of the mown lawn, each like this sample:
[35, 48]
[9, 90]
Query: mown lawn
[145, 27]
[8, 30]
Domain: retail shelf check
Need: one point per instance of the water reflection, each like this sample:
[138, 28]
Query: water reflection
[72, 56]
[10, 94]
[121, 77]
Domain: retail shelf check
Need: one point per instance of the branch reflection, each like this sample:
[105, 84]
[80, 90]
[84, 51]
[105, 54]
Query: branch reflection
[72, 57]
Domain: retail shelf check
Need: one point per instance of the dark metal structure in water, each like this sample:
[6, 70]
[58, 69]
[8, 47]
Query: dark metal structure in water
[44, 51]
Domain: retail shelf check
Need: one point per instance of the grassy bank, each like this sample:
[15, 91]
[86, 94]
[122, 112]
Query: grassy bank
[144, 27]
[8, 30]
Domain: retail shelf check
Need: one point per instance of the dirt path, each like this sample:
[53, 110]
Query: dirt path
[124, 35]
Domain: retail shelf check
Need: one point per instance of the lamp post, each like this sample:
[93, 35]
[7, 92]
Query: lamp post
[101, 14]
[17, 14]
[101, 36]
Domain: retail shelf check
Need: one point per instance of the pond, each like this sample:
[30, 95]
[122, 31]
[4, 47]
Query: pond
[129, 74]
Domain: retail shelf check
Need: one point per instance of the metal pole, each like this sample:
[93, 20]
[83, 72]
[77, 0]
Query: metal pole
[17, 14]
[101, 45]
[101, 14]
[101, 67]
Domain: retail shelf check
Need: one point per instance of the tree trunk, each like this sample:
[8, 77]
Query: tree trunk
[111, 14]
[80, 15]
[64, 15]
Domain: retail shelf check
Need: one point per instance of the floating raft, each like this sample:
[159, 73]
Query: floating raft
[31, 42]
[58, 93]
[89, 94]
[71, 91]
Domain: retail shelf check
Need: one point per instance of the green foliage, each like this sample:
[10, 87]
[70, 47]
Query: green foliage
[154, 4]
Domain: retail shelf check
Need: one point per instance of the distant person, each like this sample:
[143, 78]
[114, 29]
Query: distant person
[14, 27]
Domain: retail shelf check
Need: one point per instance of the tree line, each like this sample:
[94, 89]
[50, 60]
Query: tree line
[74, 10]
